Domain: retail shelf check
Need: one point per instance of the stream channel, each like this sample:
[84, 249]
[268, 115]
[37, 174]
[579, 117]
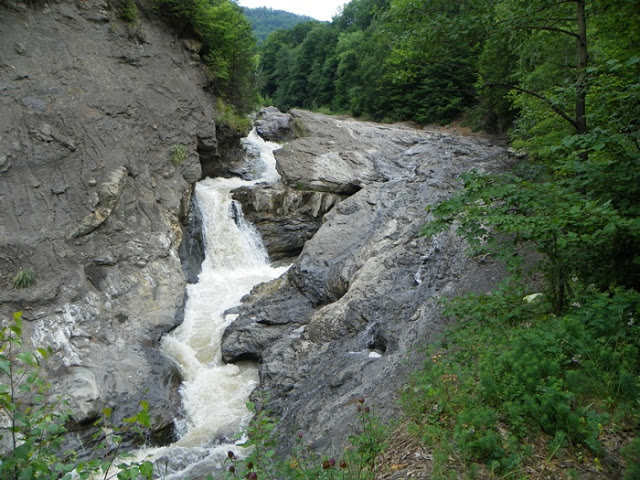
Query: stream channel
[214, 394]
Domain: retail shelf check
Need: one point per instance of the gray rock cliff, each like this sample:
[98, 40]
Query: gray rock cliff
[348, 318]
[93, 199]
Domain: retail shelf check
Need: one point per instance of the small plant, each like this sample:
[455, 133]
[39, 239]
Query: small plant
[129, 11]
[359, 462]
[178, 154]
[299, 128]
[25, 278]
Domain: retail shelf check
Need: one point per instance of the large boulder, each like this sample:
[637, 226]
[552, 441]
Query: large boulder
[275, 126]
[347, 319]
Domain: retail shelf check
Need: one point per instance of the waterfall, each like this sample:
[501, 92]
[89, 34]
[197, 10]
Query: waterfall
[214, 394]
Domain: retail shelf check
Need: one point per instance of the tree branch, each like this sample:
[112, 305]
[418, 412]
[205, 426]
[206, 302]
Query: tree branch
[553, 106]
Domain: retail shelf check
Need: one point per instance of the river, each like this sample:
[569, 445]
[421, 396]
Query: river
[214, 394]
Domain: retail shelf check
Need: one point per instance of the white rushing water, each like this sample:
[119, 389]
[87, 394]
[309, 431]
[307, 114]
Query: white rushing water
[214, 394]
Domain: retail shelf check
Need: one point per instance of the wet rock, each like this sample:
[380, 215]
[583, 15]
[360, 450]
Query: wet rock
[286, 217]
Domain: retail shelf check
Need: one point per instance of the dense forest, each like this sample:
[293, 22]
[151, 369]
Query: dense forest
[265, 21]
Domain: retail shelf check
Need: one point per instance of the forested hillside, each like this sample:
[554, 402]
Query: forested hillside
[265, 21]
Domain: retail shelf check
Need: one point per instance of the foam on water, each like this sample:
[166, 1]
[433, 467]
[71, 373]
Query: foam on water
[214, 394]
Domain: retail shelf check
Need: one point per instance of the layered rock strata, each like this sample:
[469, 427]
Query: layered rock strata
[103, 128]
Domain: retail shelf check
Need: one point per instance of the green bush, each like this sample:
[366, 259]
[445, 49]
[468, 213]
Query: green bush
[129, 11]
[227, 116]
[504, 375]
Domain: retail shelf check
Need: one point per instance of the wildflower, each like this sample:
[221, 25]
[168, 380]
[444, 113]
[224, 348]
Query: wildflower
[367, 409]
[252, 476]
[250, 465]
[300, 434]
[232, 469]
[231, 455]
[361, 400]
[326, 465]
[343, 464]
[332, 462]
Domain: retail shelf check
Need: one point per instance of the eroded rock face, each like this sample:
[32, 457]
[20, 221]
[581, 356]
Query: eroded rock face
[346, 320]
[91, 194]
[285, 216]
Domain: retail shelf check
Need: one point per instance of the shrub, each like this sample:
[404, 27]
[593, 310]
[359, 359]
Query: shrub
[178, 154]
[227, 116]
[129, 11]
[503, 376]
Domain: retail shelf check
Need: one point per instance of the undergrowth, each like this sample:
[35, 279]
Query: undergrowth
[511, 376]
[33, 423]
[360, 461]
[227, 116]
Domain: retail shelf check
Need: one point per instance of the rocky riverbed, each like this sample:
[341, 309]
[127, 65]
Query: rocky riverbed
[349, 317]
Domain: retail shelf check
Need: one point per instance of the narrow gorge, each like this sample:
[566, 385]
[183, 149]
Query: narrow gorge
[106, 129]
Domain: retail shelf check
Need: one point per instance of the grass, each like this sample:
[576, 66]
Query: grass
[24, 278]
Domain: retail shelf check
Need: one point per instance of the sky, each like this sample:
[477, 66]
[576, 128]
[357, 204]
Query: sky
[319, 9]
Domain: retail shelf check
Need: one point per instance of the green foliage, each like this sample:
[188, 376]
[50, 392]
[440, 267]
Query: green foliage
[510, 371]
[228, 116]
[178, 154]
[33, 423]
[129, 11]
[228, 44]
[575, 234]
[24, 278]
[360, 460]
[632, 455]
[265, 21]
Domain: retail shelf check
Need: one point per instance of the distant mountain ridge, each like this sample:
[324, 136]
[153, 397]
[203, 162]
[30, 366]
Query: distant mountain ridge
[265, 20]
